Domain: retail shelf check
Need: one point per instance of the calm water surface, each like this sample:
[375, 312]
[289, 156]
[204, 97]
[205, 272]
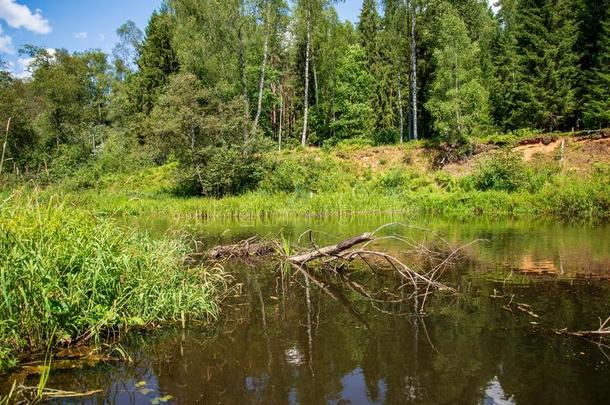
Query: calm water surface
[284, 340]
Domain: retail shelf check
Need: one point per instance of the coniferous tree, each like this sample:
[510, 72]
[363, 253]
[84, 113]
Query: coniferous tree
[368, 28]
[157, 60]
[546, 33]
[379, 66]
[597, 105]
[393, 72]
[508, 68]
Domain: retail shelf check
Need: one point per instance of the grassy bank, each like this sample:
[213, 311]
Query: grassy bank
[68, 276]
[371, 180]
[583, 203]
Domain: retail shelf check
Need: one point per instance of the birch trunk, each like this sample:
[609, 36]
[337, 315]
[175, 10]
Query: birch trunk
[413, 71]
[261, 84]
[306, 95]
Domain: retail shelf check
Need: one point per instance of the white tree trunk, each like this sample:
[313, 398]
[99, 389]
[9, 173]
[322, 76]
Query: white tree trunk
[306, 95]
[261, 84]
[402, 120]
[413, 72]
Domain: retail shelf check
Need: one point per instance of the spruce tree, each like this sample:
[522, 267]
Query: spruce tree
[546, 33]
[368, 28]
[597, 105]
[157, 60]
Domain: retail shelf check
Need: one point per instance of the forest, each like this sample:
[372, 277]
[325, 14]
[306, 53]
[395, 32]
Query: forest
[213, 85]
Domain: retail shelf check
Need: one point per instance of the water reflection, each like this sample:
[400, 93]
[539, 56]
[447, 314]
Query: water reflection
[495, 395]
[310, 340]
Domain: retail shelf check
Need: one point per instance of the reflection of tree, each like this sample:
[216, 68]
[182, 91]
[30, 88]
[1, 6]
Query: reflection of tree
[271, 339]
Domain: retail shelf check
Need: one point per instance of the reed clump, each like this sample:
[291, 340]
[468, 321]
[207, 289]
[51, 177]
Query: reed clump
[67, 276]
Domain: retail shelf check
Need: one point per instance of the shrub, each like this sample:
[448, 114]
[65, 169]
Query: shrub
[505, 171]
[402, 179]
[223, 170]
[387, 136]
[445, 181]
[306, 173]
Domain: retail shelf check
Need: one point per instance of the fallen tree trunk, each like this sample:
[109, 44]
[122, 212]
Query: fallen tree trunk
[330, 251]
[246, 248]
[420, 281]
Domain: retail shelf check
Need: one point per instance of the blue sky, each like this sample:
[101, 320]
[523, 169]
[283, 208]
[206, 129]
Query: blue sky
[79, 25]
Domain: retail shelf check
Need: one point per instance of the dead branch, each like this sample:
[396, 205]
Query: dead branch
[333, 250]
[603, 331]
[336, 258]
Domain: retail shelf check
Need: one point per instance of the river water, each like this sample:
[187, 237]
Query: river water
[284, 340]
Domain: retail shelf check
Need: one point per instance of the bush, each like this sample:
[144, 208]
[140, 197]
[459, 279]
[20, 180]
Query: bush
[445, 181]
[306, 173]
[505, 171]
[510, 138]
[388, 136]
[223, 170]
[403, 180]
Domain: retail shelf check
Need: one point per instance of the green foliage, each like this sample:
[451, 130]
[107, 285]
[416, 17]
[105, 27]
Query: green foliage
[157, 60]
[540, 65]
[304, 174]
[510, 138]
[597, 101]
[224, 170]
[459, 102]
[572, 200]
[402, 180]
[503, 172]
[354, 115]
[388, 136]
[68, 275]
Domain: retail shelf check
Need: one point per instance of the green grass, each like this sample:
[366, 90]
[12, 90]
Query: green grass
[567, 201]
[67, 275]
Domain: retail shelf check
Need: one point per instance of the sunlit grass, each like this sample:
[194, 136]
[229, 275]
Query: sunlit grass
[67, 275]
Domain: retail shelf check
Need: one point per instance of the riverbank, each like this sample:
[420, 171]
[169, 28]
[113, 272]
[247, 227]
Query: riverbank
[565, 180]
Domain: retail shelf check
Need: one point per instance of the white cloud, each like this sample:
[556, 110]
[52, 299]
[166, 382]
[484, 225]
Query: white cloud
[20, 16]
[101, 36]
[6, 43]
[80, 35]
[495, 6]
[25, 69]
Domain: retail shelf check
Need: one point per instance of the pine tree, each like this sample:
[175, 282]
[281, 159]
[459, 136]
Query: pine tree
[458, 102]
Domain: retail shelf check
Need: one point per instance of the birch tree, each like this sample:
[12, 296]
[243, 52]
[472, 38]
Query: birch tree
[458, 102]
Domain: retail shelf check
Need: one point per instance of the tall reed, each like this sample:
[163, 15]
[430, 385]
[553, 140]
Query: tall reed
[66, 275]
